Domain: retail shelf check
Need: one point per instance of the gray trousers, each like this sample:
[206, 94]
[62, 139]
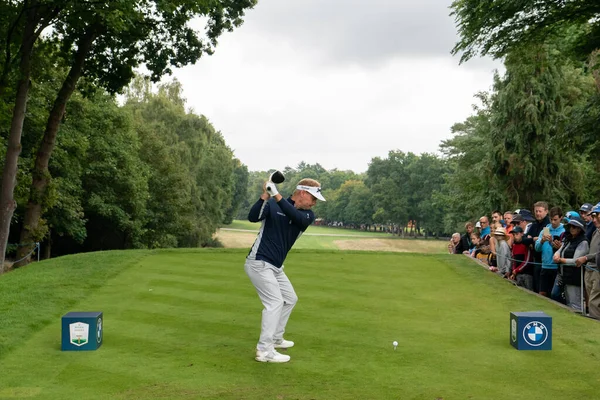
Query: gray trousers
[573, 296]
[278, 297]
[525, 281]
[592, 286]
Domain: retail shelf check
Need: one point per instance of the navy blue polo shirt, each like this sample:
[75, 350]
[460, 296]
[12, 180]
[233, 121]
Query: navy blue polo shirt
[282, 224]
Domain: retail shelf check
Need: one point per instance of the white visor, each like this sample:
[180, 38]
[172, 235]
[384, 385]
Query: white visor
[314, 190]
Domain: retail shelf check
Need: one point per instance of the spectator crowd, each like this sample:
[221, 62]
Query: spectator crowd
[548, 252]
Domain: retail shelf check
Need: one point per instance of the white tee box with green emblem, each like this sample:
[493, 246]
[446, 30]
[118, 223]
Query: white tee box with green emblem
[82, 331]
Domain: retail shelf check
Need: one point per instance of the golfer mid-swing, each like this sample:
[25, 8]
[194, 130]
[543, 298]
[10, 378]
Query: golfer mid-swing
[283, 221]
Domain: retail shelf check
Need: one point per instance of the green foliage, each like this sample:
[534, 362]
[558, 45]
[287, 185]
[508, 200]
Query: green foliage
[194, 180]
[501, 27]
[330, 182]
[403, 185]
[239, 191]
[521, 142]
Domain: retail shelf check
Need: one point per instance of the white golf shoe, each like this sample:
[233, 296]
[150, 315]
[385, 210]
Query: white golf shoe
[271, 356]
[283, 344]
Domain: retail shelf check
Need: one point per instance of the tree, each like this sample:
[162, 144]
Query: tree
[387, 178]
[105, 41]
[521, 142]
[467, 193]
[531, 158]
[27, 22]
[240, 189]
[499, 27]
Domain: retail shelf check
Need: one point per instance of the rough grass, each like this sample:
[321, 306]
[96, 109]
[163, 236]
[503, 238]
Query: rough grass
[183, 325]
[241, 234]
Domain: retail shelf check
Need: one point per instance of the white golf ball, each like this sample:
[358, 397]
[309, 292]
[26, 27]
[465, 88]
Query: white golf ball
[395, 343]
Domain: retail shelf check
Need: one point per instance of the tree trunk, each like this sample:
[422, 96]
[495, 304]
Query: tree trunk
[30, 232]
[595, 68]
[47, 247]
[9, 173]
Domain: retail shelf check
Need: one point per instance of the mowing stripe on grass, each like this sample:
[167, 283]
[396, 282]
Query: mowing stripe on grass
[183, 325]
[34, 296]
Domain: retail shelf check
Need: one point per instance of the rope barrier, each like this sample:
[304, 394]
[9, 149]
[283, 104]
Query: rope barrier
[582, 309]
[36, 247]
[536, 263]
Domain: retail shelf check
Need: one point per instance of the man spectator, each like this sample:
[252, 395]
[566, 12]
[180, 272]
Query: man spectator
[508, 217]
[590, 227]
[547, 242]
[496, 216]
[485, 226]
[592, 275]
[526, 216]
[485, 236]
[540, 210]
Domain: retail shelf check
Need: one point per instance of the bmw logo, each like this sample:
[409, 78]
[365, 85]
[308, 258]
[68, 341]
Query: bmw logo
[99, 331]
[535, 333]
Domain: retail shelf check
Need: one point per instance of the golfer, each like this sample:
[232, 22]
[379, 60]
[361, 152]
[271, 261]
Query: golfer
[283, 221]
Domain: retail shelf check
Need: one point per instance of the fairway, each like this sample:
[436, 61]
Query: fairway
[241, 234]
[182, 324]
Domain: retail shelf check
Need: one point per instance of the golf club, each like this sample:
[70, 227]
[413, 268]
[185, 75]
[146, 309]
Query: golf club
[276, 177]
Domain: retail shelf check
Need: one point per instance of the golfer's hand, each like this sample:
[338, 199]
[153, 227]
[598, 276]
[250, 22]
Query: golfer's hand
[264, 195]
[271, 189]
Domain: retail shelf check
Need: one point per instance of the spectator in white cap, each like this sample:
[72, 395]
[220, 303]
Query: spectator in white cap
[585, 211]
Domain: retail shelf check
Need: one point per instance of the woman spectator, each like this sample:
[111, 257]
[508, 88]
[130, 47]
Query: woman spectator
[466, 244]
[503, 255]
[454, 243]
[574, 246]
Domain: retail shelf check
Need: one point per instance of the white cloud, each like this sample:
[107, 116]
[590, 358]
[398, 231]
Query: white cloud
[279, 98]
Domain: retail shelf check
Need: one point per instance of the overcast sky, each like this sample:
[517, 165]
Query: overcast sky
[336, 82]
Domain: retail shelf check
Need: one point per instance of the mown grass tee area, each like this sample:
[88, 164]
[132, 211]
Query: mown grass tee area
[183, 324]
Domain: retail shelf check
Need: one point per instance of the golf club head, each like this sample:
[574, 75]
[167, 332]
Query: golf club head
[277, 177]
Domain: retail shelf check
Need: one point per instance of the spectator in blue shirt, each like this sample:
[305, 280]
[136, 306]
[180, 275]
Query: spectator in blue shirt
[546, 244]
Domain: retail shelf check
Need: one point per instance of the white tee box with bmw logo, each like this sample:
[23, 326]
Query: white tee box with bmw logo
[82, 331]
[531, 330]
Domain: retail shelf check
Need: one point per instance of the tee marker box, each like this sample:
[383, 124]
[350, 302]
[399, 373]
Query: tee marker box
[82, 331]
[531, 330]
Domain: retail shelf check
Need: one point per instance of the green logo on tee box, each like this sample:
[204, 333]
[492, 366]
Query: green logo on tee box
[79, 333]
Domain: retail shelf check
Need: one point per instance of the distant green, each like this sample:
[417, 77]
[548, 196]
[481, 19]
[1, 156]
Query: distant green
[182, 324]
[314, 229]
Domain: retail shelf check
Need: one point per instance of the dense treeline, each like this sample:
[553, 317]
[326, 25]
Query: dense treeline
[144, 174]
[52, 51]
[82, 171]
